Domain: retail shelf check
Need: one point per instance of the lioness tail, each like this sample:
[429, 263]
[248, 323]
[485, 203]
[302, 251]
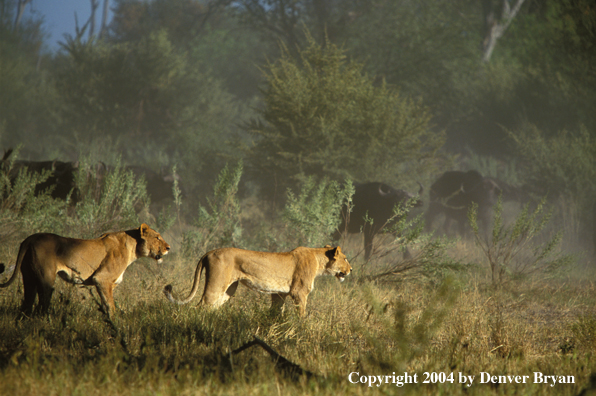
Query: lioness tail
[195, 286]
[17, 267]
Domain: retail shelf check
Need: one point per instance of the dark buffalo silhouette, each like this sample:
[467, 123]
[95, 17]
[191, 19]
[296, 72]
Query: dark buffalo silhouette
[62, 177]
[454, 193]
[374, 201]
[60, 182]
[159, 185]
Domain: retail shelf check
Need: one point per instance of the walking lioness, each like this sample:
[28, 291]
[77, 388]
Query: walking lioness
[97, 262]
[280, 274]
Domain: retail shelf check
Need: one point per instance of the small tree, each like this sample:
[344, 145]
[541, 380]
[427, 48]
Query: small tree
[510, 252]
[109, 199]
[218, 225]
[314, 214]
[322, 116]
[410, 252]
[564, 167]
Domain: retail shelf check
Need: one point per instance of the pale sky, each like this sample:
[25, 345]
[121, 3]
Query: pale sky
[59, 16]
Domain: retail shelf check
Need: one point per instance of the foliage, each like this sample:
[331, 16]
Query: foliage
[555, 43]
[22, 211]
[110, 199]
[124, 89]
[562, 164]
[150, 99]
[27, 96]
[430, 50]
[508, 170]
[218, 224]
[410, 337]
[99, 202]
[313, 215]
[322, 116]
[409, 253]
[510, 251]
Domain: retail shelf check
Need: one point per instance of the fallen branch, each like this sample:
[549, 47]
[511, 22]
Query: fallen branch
[281, 363]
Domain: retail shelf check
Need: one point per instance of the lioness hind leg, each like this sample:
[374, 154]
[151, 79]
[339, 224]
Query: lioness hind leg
[37, 284]
[106, 293]
[31, 287]
[218, 290]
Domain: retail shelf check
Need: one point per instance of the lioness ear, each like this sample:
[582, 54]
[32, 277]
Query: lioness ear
[331, 253]
[327, 246]
[337, 251]
[143, 228]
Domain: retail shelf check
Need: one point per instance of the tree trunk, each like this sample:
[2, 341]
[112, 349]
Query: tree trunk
[496, 28]
[20, 11]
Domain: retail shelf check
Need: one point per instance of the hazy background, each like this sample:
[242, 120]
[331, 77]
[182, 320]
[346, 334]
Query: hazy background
[393, 91]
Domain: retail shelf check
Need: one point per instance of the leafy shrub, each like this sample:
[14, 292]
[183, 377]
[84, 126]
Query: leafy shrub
[510, 250]
[561, 166]
[313, 215]
[218, 225]
[109, 200]
[22, 211]
[410, 252]
[323, 116]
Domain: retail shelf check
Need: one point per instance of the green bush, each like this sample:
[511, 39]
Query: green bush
[409, 252]
[323, 116]
[511, 251]
[109, 200]
[314, 214]
[218, 224]
[100, 201]
[22, 211]
[561, 167]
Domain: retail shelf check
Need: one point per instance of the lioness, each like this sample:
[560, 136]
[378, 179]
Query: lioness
[97, 262]
[280, 274]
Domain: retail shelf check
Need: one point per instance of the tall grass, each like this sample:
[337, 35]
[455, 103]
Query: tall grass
[455, 323]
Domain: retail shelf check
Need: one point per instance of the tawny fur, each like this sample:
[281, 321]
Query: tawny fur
[279, 274]
[99, 262]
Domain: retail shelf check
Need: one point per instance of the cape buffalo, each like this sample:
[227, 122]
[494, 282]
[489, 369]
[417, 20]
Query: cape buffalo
[159, 185]
[374, 201]
[453, 194]
[61, 180]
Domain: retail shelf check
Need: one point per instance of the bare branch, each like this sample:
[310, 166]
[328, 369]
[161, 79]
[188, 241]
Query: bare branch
[496, 29]
[104, 18]
[94, 6]
[20, 11]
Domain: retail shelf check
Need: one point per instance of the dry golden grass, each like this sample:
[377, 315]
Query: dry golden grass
[460, 324]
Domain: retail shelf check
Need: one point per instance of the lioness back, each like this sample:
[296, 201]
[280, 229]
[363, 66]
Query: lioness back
[280, 274]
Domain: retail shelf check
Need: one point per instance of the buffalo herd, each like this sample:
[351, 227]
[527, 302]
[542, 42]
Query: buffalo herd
[451, 196]
[373, 203]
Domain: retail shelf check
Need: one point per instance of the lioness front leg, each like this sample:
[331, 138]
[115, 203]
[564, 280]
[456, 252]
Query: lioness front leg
[300, 299]
[106, 294]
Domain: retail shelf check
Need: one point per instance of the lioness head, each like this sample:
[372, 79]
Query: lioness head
[338, 265]
[152, 244]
